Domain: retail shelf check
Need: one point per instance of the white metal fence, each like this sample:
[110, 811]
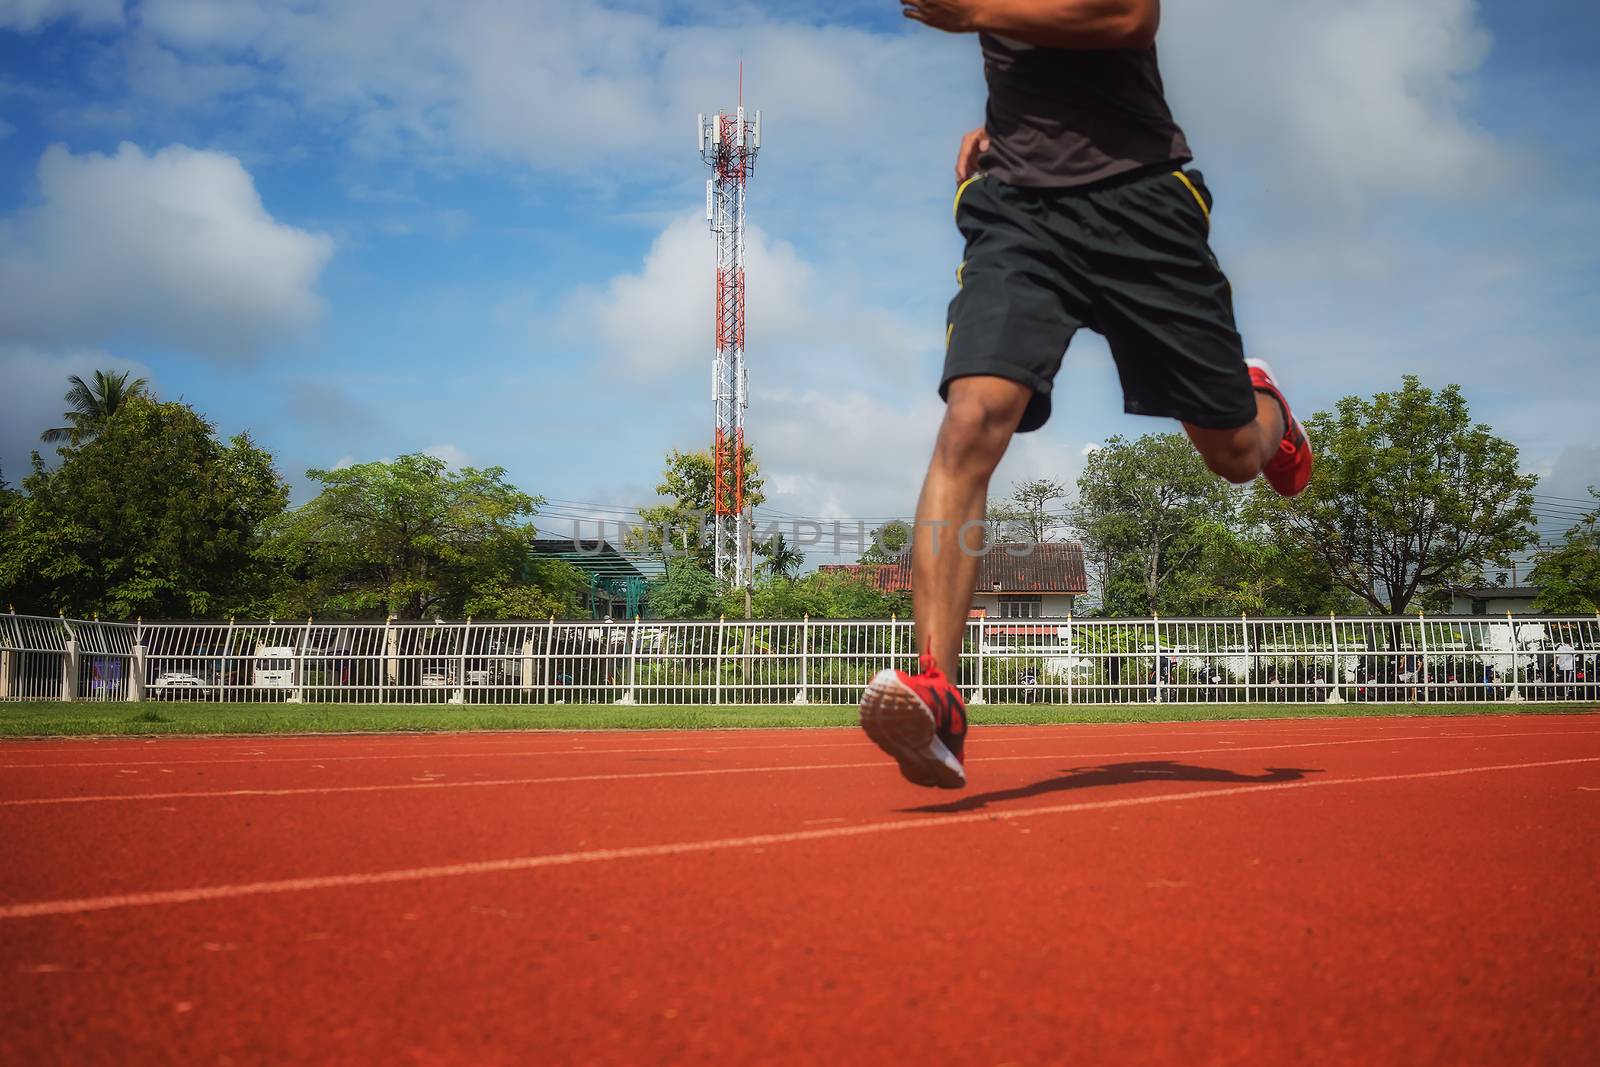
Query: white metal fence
[1447, 659]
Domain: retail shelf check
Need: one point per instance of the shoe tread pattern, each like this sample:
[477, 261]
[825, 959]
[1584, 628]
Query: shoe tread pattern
[898, 722]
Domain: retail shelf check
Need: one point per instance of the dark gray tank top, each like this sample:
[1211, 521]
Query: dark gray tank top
[1060, 117]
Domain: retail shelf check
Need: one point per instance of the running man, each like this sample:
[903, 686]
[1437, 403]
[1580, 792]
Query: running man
[1079, 212]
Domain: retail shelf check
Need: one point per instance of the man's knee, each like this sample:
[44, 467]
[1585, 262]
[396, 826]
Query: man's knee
[1237, 465]
[978, 423]
[1234, 454]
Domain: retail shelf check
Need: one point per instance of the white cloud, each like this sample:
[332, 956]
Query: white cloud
[1334, 104]
[852, 456]
[31, 400]
[452, 455]
[570, 87]
[174, 247]
[26, 16]
[839, 453]
[658, 321]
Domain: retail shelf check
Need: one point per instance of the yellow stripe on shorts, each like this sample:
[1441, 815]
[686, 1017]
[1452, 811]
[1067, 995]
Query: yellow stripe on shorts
[955, 209]
[1184, 178]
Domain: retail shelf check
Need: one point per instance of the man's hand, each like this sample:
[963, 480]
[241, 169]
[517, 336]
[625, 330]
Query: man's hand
[973, 145]
[951, 16]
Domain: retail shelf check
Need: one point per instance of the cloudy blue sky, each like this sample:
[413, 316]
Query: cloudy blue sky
[368, 227]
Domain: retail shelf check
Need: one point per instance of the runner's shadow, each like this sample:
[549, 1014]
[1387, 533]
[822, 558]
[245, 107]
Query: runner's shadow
[1118, 774]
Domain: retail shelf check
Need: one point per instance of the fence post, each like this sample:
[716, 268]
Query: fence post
[1249, 660]
[633, 663]
[136, 663]
[524, 660]
[1338, 673]
[977, 692]
[1072, 664]
[69, 669]
[391, 658]
[722, 621]
[460, 695]
[1426, 674]
[1514, 688]
[1155, 619]
[549, 643]
[805, 652]
[297, 694]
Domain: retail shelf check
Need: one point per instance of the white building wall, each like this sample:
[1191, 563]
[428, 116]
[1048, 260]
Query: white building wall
[1051, 605]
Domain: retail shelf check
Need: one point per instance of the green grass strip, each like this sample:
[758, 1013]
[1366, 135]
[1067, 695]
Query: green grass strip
[176, 718]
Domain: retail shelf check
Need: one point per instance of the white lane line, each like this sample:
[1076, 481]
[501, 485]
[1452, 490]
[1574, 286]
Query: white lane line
[79, 905]
[624, 776]
[700, 749]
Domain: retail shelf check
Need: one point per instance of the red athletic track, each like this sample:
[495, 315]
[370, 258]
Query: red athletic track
[1344, 891]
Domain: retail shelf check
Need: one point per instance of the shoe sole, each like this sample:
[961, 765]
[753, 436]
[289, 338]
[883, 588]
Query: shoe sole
[903, 726]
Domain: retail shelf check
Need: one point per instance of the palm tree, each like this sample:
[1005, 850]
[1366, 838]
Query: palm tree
[782, 558]
[92, 406]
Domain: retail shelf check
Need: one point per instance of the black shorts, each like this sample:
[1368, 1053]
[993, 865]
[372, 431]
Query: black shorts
[1127, 258]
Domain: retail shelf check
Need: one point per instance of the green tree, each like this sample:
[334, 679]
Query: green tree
[10, 509]
[90, 407]
[1409, 495]
[541, 588]
[416, 539]
[825, 595]
[1146, 509]
[149, 515]
[688, 482]
[1568, 577]
[888, 542]
[1026, 514]
[686, 590]
[1240, 570]
[783, 559]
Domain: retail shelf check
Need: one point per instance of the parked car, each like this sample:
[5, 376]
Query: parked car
[178, 685]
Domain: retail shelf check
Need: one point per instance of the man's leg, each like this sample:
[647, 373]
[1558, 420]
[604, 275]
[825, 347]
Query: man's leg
[981, 416]
[1272, 444]
[1241, 454]
[920, 719]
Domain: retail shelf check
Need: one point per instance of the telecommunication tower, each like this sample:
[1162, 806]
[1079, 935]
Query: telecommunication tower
[729, 144]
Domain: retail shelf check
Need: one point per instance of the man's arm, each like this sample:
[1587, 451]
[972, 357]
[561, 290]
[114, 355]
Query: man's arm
[1086, 24]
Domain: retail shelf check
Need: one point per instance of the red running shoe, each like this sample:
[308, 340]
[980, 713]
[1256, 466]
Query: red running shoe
[920, 720]
[1289, 470]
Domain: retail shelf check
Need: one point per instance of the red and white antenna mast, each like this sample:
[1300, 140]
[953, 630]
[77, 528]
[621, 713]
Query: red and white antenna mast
[729, 144]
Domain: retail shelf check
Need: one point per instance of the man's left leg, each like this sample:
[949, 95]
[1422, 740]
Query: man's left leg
[1166, 309]
[1273, 443]
[1241, 454]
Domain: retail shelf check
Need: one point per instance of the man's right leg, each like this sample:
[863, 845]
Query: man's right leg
[979, 422]
[920, 719]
